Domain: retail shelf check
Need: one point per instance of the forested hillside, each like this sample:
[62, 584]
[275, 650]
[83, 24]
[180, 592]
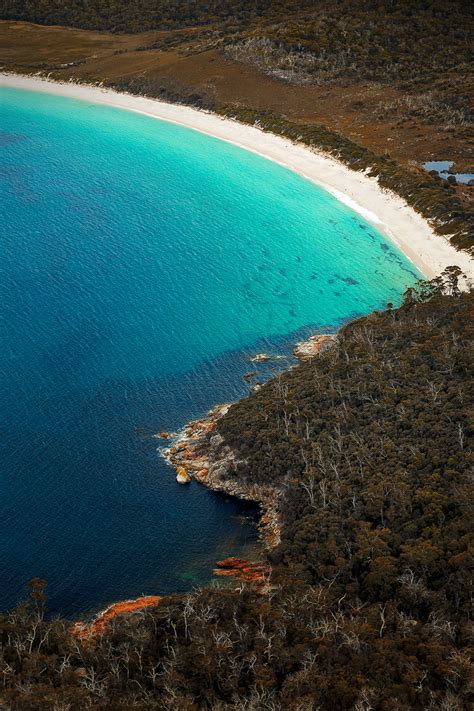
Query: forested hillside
[306, 40]
[371, 444]
[124, 16]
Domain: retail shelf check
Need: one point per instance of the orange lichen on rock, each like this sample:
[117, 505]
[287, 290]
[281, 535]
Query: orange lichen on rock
[185, 452]
[100, 622]
[256, 573]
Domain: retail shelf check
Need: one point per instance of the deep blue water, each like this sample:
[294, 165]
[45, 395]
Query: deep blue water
[140, 264]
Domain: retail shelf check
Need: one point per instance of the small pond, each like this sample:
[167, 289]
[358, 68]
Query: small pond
[443, 168]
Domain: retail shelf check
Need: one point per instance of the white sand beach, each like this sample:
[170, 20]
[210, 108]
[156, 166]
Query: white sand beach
[391, 215]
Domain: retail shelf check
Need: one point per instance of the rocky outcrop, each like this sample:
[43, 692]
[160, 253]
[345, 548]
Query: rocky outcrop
[182, 476]
[201, 452]
[314, 346]
[100, 622]
[260, 358]
[165, 435]
[256, 573]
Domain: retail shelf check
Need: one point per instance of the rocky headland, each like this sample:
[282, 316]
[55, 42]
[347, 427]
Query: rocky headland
[199, 452]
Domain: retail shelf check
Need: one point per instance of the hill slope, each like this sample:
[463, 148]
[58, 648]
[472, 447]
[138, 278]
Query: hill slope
[371, 444]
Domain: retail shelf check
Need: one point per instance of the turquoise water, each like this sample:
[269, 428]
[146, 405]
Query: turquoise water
[140, 263]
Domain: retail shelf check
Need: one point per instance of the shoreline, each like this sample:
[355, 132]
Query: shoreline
[195, 454]
[390, 214]
[198, 452]
[98, 623]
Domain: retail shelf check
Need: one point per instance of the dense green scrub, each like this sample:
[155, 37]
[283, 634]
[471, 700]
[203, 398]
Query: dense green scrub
[371, 445]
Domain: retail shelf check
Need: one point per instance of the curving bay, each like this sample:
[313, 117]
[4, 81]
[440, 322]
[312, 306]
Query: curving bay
[141, 262]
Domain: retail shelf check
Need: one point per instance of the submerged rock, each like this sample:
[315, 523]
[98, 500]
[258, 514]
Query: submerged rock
[265, 357]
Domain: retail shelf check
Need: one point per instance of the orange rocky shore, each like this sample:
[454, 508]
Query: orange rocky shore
[258, 573]
[198, 452]
[100, 622]
[255, 573]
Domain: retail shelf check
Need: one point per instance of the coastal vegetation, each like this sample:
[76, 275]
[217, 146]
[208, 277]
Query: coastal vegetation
[315, 41]
[301, 41]
[432, 197]
[368, 601]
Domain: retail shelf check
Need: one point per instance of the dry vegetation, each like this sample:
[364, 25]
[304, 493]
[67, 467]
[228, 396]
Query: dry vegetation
[289, 64]
[431, 107]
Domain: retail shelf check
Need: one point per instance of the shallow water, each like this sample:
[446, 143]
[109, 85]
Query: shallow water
[140, 263]
[442, 167]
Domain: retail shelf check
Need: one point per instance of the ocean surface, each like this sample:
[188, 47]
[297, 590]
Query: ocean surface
[141, 263]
